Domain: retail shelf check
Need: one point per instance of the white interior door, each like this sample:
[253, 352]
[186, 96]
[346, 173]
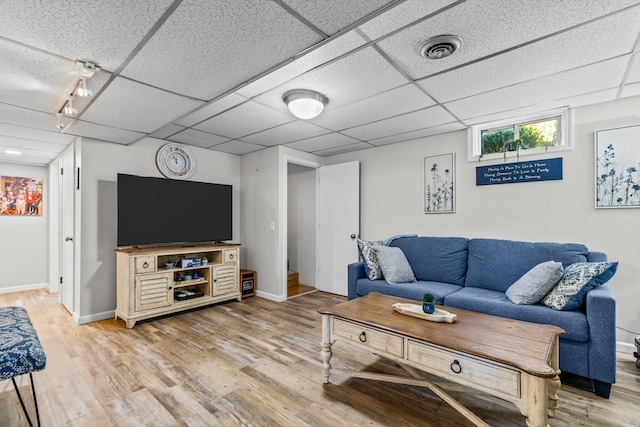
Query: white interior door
[338, 190]
[67, 192]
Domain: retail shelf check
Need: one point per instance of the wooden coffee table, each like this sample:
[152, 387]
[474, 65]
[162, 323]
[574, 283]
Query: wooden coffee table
[509, 359]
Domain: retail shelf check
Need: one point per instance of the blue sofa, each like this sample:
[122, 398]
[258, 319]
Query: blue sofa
[473, 274]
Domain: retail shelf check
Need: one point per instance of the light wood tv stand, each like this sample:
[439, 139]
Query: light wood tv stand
[146, 288]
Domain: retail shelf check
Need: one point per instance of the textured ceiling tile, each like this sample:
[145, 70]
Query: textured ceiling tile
[344, 81]
[104, 31]
[332, 16]
[33, 79]
[103, 133]
[584, 45]
[475, 22]
[194, 51]
[235, 123]
[421, 133]
[51, 136]
[401, 15]
[25, 117]
[602, 75]
[343, 149]
[24, 160]
[394, 102]
[325, 53]
[237, 147]
[632, 89]
[288, 132]
[323, 142]
[166, 131]
[30, 148]
[129, 105]
[428, 117]
[211, 110]
[634, 69]
[197, 138]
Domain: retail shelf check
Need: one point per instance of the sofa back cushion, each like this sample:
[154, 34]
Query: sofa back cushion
[496, 264]
[436, 259]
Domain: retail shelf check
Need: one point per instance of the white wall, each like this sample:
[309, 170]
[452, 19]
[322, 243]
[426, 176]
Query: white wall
[301, 222]
[24, 242]
[101, 162]
[558, 211]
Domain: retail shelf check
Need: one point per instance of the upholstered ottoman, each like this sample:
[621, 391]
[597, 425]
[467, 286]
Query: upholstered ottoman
[20, 350]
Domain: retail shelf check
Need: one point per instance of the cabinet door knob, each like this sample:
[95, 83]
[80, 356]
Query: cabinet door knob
[455, 367]
[230, 256]
[145, 265]
[363, 337]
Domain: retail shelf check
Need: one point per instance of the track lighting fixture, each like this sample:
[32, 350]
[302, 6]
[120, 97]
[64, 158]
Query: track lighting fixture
[82, 90]
[59, 124]
[68, 109]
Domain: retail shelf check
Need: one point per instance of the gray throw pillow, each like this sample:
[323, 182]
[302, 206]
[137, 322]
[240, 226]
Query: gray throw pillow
[535, 283]
[394, 264]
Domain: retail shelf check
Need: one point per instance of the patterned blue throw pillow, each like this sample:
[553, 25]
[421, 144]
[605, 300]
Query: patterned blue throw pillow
[577, 280]
[371, 265]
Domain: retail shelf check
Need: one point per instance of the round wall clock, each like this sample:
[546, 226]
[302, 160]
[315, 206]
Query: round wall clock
[175, 161]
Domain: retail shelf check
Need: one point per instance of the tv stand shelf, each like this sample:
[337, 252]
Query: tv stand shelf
[146, 287]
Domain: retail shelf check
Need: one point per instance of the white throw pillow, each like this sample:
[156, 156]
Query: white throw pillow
[535, 283]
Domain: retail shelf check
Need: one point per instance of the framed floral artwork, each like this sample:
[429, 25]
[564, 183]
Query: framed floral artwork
[20, 196]
[617, 168]
[439, 183]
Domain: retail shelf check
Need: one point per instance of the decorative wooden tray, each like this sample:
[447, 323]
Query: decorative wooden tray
[415, 310]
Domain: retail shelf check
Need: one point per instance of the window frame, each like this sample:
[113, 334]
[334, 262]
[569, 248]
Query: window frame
[474, 135]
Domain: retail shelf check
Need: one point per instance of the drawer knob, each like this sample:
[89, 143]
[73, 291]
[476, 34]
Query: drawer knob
[145, 265]
[363, 337]
[230, 256]
[455, 367]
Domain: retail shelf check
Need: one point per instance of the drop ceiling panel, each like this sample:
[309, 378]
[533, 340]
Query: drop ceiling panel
[33, 79]
[23, 160]
[166, 131]
[130, 105]
[630, 90]
[394, 102]
[421, 133]
[197, 138]
[602, 75]
[584, 45]
[331, 16]
[210, 110]
[401, 16]
[426, 118]
[27, 150]
[343, 149]
[344, 81]
[243, 120]
[633, 74]
[323, 142]
[476, 23]
[288, 132]
[53, 136]
[195, 49]
[312, 59]
[103, 31]
[25, 117]
[104, 133]
[237, 147]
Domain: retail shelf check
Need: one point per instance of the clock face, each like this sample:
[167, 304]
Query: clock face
[175, 161]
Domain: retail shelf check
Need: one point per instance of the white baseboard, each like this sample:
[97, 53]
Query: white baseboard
[272, 297]
[624, 347]
[23, 288]
[81, 320]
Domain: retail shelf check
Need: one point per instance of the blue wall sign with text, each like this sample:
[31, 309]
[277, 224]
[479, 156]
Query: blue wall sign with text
[509, 173]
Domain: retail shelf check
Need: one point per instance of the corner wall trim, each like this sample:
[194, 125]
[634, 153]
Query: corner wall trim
[272, 297]
[81, 320]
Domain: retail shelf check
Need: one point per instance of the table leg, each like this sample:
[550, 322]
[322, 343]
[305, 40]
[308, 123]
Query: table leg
[325, 353]
[537, 401]
[554, 383]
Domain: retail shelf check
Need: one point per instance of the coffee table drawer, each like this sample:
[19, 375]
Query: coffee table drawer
[372, 338]
[447, 364]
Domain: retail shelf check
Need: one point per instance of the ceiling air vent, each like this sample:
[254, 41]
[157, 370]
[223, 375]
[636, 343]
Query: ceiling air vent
[440, 46]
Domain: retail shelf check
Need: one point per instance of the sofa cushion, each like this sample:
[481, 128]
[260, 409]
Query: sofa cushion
[394, 265]
[535, 284]
[496, 303]
[437, 259]
[413, 291]
[577, 280]
[371, 266]
[496, 264]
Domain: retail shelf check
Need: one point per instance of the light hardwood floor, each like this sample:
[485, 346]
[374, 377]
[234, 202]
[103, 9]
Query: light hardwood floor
[249, 363]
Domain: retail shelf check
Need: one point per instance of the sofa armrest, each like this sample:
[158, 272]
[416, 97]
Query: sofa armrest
[355, 271]
[601, 316]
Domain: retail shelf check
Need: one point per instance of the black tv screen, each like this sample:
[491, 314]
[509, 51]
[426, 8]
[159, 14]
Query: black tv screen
[154, 211]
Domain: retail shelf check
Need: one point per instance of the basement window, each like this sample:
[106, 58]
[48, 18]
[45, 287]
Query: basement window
[521, 136]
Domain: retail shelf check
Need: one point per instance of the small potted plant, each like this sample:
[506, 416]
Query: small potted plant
[188, 275]
[205, 261]
[427, 304]
[169, 264]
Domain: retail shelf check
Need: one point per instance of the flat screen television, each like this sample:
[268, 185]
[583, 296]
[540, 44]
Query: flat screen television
[157, 211]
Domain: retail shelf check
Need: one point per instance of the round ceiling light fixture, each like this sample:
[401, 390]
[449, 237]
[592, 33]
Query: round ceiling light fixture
[440, 46]
[305, 104]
